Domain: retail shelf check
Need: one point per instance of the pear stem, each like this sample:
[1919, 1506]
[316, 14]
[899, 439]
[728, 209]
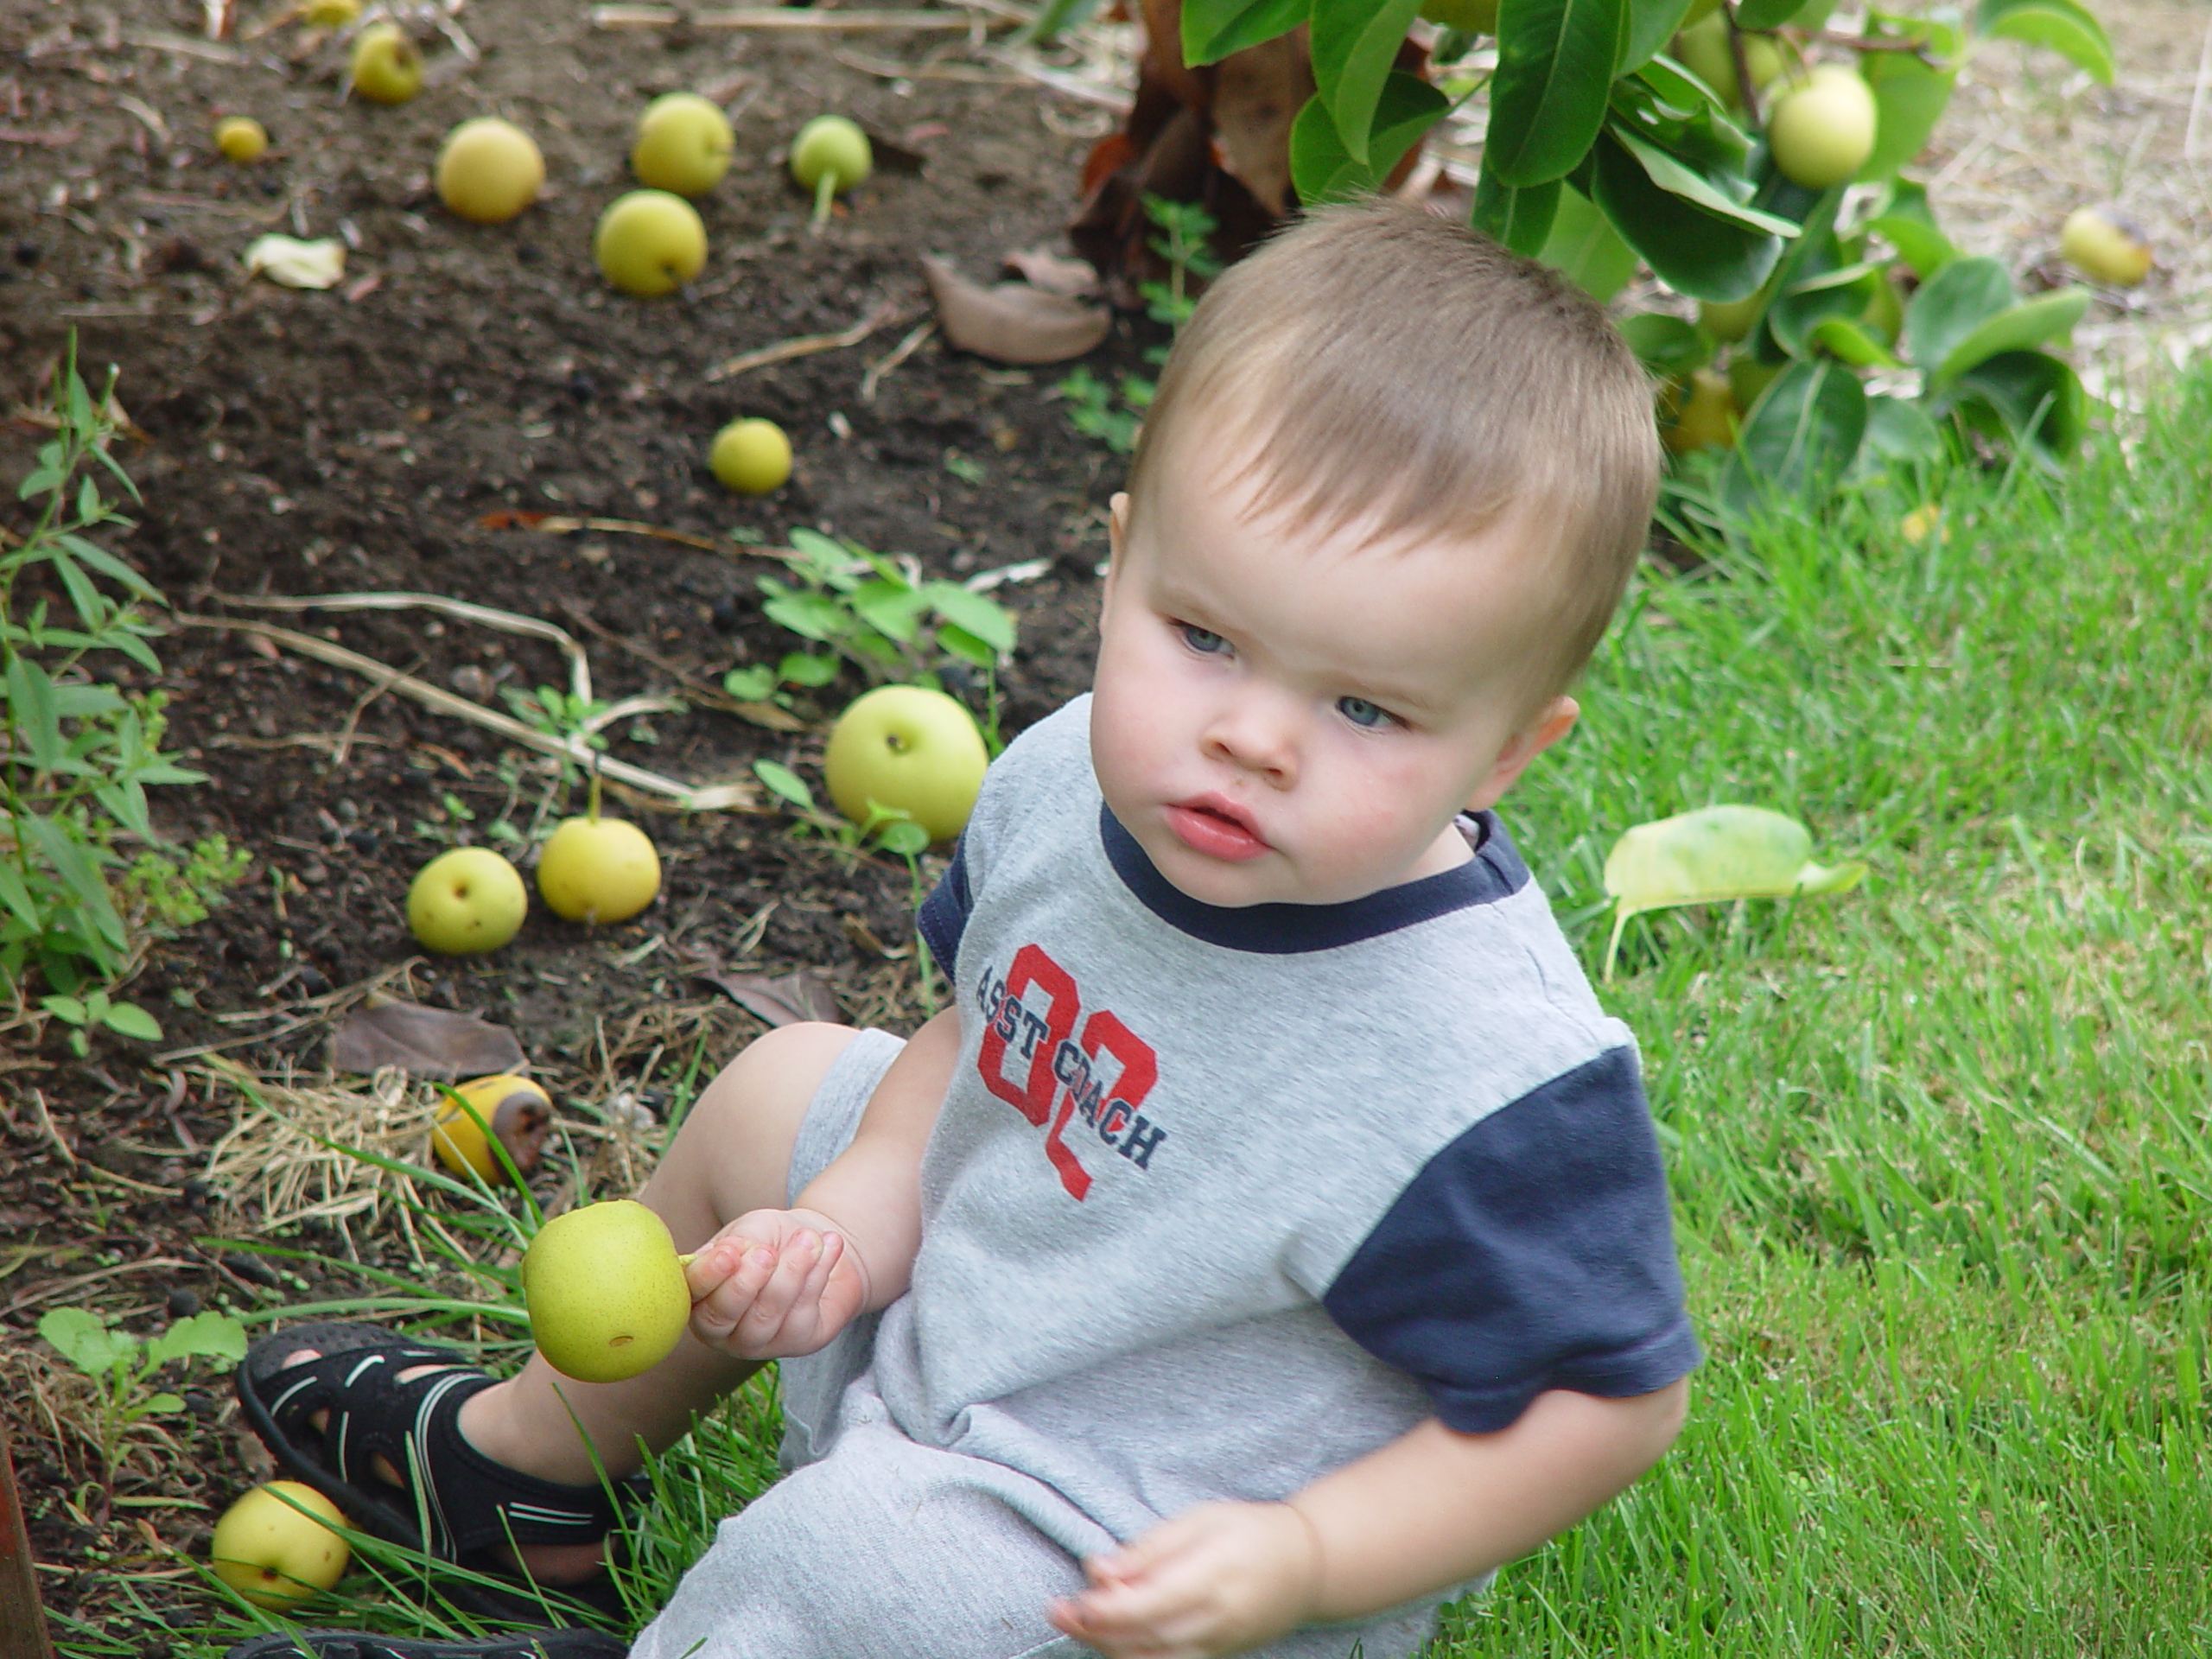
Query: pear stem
[825, 192]
[687, 1258]
[591, 796]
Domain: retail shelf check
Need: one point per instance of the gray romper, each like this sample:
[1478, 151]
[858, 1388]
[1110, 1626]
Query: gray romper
[1219, 1201]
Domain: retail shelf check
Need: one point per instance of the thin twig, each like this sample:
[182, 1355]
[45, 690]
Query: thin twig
[737, 796]
[899, 353]
[803, 345]
[506, 621]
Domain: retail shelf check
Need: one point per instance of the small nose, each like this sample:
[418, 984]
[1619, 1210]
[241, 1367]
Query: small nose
[1254, 734]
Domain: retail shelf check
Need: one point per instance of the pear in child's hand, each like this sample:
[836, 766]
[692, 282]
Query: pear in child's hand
[605, 1291]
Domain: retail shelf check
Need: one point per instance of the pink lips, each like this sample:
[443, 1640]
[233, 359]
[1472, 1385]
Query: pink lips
[1211, 825]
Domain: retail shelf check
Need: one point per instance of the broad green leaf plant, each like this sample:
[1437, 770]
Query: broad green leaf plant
[1604, 149]
[862, 608]
[83, 873]
[122, 1366]
[1714, 854]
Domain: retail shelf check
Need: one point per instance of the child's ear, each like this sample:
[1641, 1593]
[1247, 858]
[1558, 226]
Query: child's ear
[1117, 531]
[1552, 722]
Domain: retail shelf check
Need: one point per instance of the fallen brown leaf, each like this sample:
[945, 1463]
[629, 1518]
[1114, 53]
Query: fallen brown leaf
[1012, 322]
[423, 1042]
[783, 1001]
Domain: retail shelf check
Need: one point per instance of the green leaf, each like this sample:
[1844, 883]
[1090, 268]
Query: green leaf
[750, 684]
[200, 1336]
[32, 713]
[785, 782]
[1324, 171]
[1583, 245]
[1849, 340]
[78, 867]
[2031, 323]
[1899, 435]
[1715, 855]
[1651, 24]
[1522, 220]
[129, 1020]
[1910, 99]
[812, 616]
[70, 1010]
[17, 897]
[1669, 347]
[1678, 178]
[86, 1341]
[1555, 64]
[1214, 28]
[1765, 14]
[1354, 44]
[1946, 310]
[957, 642]
[1798, 439]
[892, 610]
[2065, 27]
[1691, 251]
[1917, 240]
[108, 565]
[977, 614]
[1818, 283]
[903, 837]
[2036, 401]
[810, 669]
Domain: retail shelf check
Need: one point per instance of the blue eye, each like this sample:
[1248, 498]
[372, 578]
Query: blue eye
[1362, 712]
[1201, 639]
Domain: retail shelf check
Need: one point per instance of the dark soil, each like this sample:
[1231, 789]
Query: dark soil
[366, 438]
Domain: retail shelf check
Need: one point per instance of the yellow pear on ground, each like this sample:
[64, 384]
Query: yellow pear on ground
[683, 144]
[2105, 247]
[489, 170]
[604, 1288]
[596, 869]
[276, 1556]
[650, 243]
[518, 1112]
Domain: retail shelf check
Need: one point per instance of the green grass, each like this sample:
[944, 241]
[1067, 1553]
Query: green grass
[1942, 1147]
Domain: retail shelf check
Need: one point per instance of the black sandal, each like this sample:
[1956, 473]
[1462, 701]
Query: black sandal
[357, 1645]
[472, 1503]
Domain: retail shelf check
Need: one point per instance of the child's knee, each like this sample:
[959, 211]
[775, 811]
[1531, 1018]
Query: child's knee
[740, 1131]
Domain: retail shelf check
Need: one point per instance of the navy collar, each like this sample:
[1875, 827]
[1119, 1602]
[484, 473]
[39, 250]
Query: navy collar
[1494, 872]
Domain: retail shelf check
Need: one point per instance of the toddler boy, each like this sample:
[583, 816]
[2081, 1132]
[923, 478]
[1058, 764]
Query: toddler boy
[1270, 1239]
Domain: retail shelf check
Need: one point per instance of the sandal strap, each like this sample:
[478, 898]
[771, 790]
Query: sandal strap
[469, 1502]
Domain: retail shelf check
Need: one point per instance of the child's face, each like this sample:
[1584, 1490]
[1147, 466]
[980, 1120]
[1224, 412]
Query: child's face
[1291, 714]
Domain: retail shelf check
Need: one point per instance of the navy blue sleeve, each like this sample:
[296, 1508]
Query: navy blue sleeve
[943, 914]
[1535, 1252]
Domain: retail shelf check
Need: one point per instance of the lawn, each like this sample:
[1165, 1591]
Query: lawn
[1942, 1147]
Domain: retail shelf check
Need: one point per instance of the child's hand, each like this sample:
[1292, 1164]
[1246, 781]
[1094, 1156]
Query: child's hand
[774, 1283]
[1219, 1578]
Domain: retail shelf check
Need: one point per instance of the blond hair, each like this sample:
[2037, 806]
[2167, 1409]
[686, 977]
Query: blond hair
[1382, 364]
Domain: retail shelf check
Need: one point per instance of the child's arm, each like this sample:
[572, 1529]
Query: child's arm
[1431, 1509]
[777, 1282]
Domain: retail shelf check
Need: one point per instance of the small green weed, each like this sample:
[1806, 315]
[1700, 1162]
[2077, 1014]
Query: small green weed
[1115, 414]
[76, 752]
[123, 1365]
[863, 608]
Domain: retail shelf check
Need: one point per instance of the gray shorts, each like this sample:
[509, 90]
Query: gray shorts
[875, 1544]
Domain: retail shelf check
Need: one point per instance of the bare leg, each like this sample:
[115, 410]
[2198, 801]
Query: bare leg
[733, 1155]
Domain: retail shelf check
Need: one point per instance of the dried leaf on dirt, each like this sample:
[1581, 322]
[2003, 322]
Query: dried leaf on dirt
[783, 1001]
[295, 263]
[424, 1043]
[1012, 322]
[1055, 272]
